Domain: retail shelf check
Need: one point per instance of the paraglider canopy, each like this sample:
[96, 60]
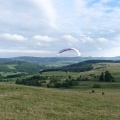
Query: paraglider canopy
[67, 49]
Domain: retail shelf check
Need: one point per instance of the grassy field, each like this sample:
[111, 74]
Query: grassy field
[32, 103]
[114, 69]
[12, 66]
[19, 102]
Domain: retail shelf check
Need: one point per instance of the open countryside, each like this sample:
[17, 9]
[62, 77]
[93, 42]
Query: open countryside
[59, 59]
[60, 95]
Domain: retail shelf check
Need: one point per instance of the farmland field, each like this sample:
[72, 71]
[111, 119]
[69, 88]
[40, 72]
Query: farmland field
[81, 102]
[98, 68]
[23, 103]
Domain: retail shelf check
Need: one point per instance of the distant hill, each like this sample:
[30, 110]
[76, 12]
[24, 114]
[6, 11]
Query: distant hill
[81, 66]
[57, 60]
[88, 62]
[19, 66]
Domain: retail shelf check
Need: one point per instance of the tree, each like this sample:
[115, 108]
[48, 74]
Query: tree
[108, 77]
[97, 86]
[101, 78]
[69, 77]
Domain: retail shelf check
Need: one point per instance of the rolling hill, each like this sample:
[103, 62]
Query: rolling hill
[81, 102]
[50, 60]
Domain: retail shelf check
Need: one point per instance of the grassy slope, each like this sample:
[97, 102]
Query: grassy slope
[113, 68]
[12, 66]
[31, 103]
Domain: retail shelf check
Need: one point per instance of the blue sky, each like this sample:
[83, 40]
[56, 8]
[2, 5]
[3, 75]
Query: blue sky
[43, 27]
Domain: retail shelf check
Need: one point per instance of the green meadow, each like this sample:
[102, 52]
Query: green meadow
[33, 103]
[81, 102]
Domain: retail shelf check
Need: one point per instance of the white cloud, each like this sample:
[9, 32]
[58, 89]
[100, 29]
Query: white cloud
[40, 44]
[106, 1]
[25, 51]
[70, 38]
[48, 10]
[80, 4]
[99, 48]
[103, 40]
[76, 23]
[96, 14]
[115, 51]
[13, 37]
[87, 39]
[116, 40]
[43, 38]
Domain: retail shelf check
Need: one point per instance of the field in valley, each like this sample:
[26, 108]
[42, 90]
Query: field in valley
[82, 102]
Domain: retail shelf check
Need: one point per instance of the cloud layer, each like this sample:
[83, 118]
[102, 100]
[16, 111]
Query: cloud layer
[43, 27]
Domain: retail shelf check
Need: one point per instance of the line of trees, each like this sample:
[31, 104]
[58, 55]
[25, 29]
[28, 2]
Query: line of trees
[54, 81]
[32, 81]
[70, 69]
[64, 81]
[106, 77]
[62, 84]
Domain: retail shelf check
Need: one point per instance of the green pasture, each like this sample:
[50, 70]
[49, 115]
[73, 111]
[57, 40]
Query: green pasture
[85, 85]
[12, 66]
[60, 73]
[9, 73]
[19, 102]
[33, 103]
[113, 68]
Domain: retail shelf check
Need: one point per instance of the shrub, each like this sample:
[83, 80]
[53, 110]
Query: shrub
[43, 81]
[93, 91]
[57, 85]
[97, 86]
[103, 93]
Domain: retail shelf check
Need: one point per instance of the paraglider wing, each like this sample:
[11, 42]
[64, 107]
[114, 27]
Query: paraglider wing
[67, 49]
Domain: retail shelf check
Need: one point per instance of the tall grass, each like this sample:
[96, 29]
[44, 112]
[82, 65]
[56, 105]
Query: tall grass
[79, 103]
[32, 103]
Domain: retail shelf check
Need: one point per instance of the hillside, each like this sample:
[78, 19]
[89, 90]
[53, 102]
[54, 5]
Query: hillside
[78, 102]
[62, 78]
[12, 70]
[56, 60]
[80, 66]
[20, 102]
